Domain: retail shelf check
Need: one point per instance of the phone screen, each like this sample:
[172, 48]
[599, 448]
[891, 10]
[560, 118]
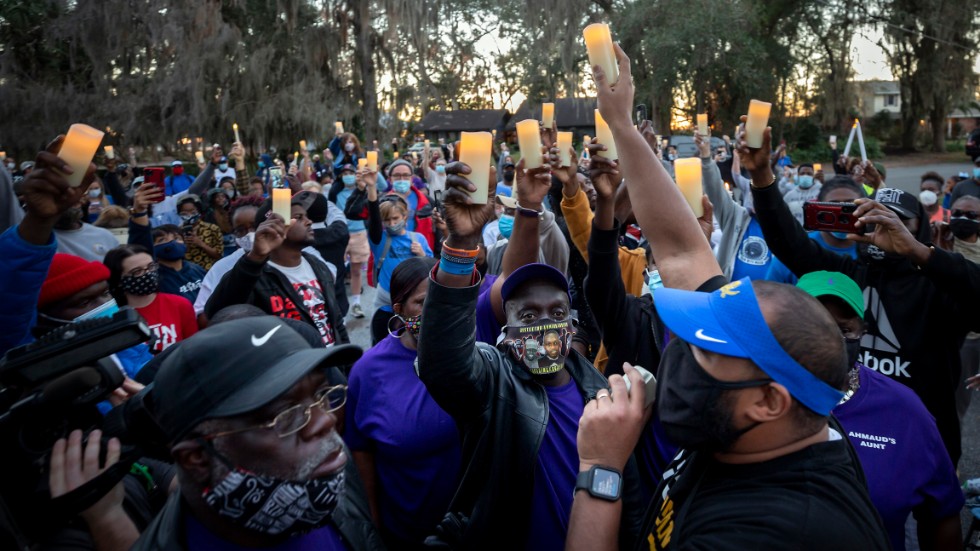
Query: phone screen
[275, 177]
[153, 175]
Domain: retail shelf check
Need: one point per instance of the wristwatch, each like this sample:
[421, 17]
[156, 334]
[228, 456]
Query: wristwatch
[530, 213]
[601, 482]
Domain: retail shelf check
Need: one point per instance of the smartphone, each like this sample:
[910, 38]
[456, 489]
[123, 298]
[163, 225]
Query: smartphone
[830, 217]
[153, 175]
[275, 177]
[649, 381]
[641, 113]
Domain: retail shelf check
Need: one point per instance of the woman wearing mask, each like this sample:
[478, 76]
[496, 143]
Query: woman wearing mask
[97, 200]
[406, 447]
[177, 276]
[960, 236]
[205, 244]
[134, 281]
[346, 150]
[390, 240]
[400, 174]
[435, 172]
[217, 214]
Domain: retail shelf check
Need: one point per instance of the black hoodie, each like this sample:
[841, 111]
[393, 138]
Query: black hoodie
[917, 318]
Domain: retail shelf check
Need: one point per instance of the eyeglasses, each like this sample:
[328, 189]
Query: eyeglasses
[293, 419]
[971, 214]
[150, 268]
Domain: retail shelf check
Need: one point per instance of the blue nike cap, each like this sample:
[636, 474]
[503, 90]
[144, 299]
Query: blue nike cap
[729, 322]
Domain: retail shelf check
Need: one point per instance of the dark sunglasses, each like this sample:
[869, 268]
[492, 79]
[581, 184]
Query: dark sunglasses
[971, 214]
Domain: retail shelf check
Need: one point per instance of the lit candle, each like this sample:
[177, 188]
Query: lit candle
[361, 163]
[860, 133]
[427, 144]
[817, 167]
[396, 154]
[703, 124]
[475, 149]
[688, 173]
[295, 156]
[756, 123]
[281, 198]
[415, 155]
[338, 127]
[564, 146]
[238, 137]
[372, 160]
[3, 155]
[200, 156]
[529, 140]
[605, 137]
[78, 149]
[547, 114]
[109, 153]
[850, 138]
[302, 145]
[598, 42]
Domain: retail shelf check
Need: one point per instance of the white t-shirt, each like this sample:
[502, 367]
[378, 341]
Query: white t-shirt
[304, 281]
[219, 174]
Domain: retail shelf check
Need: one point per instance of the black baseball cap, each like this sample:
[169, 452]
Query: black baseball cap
[314, 203]
[233, 368]
[905, 205]
[529, 272]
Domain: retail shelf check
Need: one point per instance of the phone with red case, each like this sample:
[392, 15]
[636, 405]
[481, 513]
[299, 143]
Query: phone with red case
[831, 217]
[153, 175]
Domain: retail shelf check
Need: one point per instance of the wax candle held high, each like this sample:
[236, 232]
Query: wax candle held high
[372, 160]
[238, 137]
[605, 137]
[688, 172]
[547, 114]
[78, 149]
[755, 124]
[564, 148]
[109, 153]
[598, 42]
[475, 149]
[703, 124]
[529, 139]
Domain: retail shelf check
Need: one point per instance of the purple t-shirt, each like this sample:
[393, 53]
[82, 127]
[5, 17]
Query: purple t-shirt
[326, 538]
[415, 443]
[902, 455]
[556, 469]
[487, 327]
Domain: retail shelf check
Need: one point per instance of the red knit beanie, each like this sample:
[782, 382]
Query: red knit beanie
[68, 275]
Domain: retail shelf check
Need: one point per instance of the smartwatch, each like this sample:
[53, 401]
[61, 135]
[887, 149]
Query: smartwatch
[601, 482]
[530, 213]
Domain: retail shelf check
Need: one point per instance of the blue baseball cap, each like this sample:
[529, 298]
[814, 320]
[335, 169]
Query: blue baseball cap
[530, 272]
[729, 322]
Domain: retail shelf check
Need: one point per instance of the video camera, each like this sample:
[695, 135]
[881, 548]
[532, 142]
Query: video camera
[51, 387]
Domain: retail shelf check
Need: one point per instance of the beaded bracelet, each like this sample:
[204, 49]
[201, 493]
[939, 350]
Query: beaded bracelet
[461, 253]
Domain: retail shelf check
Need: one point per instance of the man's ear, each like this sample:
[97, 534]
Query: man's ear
[194, 461]
[772, 402]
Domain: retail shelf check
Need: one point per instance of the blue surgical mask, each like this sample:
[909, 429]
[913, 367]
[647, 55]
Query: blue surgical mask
[223, 167]
[976, 173]
[402, 186]
[506, 225]
[105, 310]
[805, 182]
[349, 179]
[441, 169]
[653, 280]
[839, 235]
[261, 164]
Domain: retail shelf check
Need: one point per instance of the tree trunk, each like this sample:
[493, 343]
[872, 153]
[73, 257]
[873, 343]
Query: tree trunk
[365, 60]
[937, 118]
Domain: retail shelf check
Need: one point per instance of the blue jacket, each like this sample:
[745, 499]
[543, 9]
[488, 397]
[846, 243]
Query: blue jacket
[177, 184]
[341, 157]
[22, 272]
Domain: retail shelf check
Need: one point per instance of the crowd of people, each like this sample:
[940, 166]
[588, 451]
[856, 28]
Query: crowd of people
[808, 386]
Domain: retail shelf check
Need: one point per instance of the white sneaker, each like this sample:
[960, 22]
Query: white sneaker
[356, 310]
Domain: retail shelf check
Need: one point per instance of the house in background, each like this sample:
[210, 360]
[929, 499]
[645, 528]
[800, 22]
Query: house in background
[875, 96]
[575, 115]
[447, 125]
[962, 121]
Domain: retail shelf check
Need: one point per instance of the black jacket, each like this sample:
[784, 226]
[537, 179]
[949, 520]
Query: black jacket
[917, 318]
[255, 283]
[352, 519]
[502, 414]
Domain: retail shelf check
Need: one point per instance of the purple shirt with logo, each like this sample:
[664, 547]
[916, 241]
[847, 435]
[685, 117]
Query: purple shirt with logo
[326, 538]
[556, 469]
[415, 443]
[902, 455]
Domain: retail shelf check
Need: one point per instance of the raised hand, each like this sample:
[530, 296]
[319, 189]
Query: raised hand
[756, 161]
[73, 465]
[146, 195]
[46, 191]
[604, 173]
[616, 101]
[268, 237]
[611, 425]
[531, 185]
[703, 144]
[890, 234]
[705, 220]
[567, 175]
[646, 130]
[464, 218]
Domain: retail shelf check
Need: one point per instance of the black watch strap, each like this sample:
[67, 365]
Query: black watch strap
[609, 486]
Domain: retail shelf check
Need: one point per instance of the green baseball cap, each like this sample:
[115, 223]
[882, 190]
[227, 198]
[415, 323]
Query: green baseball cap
[825, 283]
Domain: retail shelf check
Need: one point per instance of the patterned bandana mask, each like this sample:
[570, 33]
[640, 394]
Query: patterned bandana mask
[412, 324]
[272, 506]
[541, 348]
[141, 286]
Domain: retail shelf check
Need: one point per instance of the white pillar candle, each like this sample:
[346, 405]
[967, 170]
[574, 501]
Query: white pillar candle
[850, 138]
[281, 199]
[475, 149]
[547, 114]
[3, 155]
[338, 127]
[604, 134]
[864, 152]
[529, 139]
[396, 155]
[302, 145]
[564, 147]
[427, 144]
[703, 124]
[372, 160]
[200, 156]
[238, 137]
[109, 153]
[78, 149]
[755, 124]
[361, 163]
[688, 172]
[598, 42]
[817, 167]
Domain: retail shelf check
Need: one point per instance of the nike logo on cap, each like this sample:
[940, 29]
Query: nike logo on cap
[259, 341]
[699, 334]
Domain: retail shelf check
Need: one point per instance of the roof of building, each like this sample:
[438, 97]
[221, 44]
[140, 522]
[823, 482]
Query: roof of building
[879, 87]
[569, 112]
[464, 120]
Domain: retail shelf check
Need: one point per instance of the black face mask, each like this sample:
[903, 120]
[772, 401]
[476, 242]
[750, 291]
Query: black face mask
[508, 175]
[964, 228]
[853, 347]
[692, 404]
